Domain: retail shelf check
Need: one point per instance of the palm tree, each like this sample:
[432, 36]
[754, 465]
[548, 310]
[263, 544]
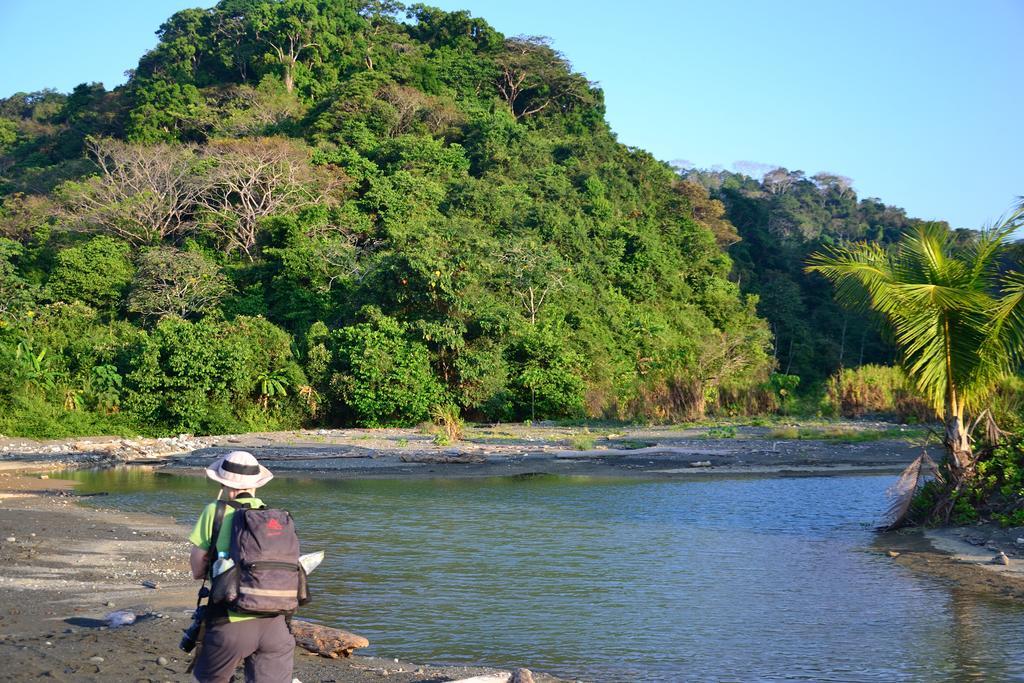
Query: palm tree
[956, 319]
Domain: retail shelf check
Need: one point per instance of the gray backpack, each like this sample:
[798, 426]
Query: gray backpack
[265, 577]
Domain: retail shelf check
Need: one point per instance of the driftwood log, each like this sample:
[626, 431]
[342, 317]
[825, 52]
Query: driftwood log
[452, 459]
[324, 640]
[517, 676]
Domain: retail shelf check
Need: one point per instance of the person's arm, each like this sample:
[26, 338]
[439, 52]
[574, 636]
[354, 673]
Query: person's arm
[199, 562]
[200, 538]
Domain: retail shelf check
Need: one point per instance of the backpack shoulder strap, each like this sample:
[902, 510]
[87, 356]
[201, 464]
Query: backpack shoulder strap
[218, 521]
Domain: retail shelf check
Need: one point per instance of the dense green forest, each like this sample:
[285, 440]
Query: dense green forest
[352, 212]
[781, 219]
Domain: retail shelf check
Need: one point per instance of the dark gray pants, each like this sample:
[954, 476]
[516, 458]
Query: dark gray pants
[265, 644]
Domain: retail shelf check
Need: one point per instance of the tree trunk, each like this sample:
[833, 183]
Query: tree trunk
[958, 447]
[958, 441]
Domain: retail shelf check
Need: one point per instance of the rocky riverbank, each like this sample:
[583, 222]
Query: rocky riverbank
[496, 450]
[980, 558]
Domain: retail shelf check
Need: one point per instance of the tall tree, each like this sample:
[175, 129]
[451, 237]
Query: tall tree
[300, 32]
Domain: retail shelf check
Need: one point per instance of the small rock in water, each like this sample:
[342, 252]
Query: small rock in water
[893, 553]
[1020, 541]
[11, 539]
[96, 660]
[522, 676]
[120, 618]
[110, 603]
[1001, 558]
[162, 661]
[701, 463]
[151, 584]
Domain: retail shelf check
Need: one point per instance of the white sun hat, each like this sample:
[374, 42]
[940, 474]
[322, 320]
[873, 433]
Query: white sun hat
[239, 470]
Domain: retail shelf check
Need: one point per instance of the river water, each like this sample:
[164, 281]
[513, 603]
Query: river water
[624, 580]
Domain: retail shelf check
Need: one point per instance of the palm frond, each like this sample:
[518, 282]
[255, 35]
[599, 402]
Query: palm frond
[1007, 325]
[857, 270]
[903, 491]
[983, 253]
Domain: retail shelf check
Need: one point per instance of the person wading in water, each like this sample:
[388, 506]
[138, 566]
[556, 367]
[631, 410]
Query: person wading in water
[263, 641]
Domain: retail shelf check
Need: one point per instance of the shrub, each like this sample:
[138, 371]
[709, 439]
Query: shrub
[447, 417]
[784, 386]
[380, 377]
[784, 433]
[877, 389]
[1000, 481]
[669, 399]
[583, 441]
[36, 418]
[547, 379]
[96, 273]
[1008, 404]
[209, 376]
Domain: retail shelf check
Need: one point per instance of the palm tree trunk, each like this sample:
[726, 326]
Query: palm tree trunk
[958, 446]
[958, 441]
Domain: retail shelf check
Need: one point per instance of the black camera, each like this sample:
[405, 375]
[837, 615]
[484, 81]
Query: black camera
[188, 641]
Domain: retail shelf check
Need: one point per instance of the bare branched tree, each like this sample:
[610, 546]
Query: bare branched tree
[409, 103]
[780, 180]
[840, 184]
[143, 193]
[249, 180]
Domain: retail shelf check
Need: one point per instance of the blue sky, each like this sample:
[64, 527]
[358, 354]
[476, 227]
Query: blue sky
[919, 101]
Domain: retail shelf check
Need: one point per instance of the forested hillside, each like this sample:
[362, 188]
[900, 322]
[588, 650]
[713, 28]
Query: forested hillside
[341, 212]
[352, 212]
[781, 219]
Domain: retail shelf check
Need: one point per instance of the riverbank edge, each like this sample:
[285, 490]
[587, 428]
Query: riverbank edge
[30, 633]
[943, 554]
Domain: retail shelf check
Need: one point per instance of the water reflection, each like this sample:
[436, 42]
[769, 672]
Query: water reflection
[752, 579]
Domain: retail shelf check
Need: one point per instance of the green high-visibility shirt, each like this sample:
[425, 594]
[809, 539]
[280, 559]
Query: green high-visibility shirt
[203, 531]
